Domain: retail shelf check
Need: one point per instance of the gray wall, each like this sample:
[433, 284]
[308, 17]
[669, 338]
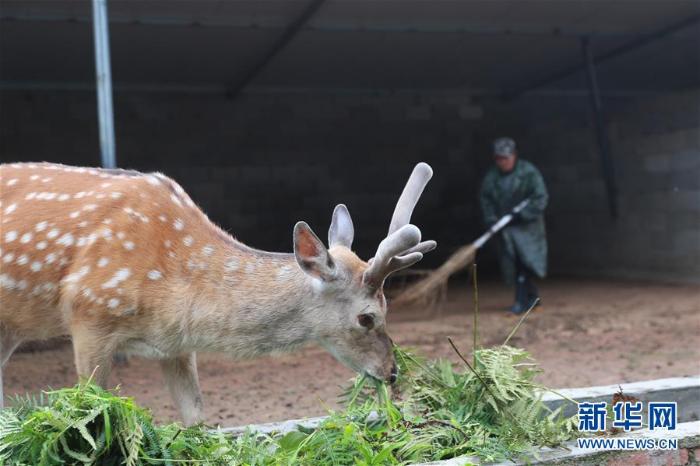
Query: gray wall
[655, 141]
[260, 163]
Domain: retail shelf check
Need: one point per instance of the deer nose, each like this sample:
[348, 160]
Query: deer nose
[394, 374]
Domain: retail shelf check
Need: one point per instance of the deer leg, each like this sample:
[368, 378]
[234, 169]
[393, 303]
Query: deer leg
[181, 377]
[92, 351]
[8, 343]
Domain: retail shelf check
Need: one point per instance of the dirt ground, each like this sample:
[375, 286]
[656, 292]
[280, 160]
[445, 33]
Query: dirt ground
[586, 333]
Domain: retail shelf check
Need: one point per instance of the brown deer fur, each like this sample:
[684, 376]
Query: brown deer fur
[125, 261]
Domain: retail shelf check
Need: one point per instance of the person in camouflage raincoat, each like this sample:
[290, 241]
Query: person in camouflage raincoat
[523, 242]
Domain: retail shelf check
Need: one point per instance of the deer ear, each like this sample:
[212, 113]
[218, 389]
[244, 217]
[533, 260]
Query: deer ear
[341, 232]
[310, 253]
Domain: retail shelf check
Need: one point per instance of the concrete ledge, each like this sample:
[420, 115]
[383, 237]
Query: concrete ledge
[683, 390]
[688, 453]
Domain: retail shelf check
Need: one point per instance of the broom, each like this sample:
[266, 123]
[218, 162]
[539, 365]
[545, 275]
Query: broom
[423, 290]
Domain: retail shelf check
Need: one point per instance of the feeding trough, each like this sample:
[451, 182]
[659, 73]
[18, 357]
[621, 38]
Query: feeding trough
[685, 391]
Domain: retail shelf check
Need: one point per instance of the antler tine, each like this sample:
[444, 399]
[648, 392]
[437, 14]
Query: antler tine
[402, 247]
[409, 197]
[404, 241]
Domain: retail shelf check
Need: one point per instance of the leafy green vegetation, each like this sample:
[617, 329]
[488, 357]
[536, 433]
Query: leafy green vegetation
[490, 409]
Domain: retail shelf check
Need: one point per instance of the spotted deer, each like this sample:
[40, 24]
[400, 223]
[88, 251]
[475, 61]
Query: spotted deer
[125, 261]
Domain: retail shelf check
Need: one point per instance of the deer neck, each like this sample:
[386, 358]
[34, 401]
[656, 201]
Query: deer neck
[254, 302]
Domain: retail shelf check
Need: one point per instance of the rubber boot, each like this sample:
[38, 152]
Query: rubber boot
[521, 295]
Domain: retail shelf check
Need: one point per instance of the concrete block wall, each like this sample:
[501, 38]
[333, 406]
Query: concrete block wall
[655, 142]
[260, 163]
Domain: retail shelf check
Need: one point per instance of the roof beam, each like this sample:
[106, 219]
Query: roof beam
[328, 26]
[607, 162]
[287, 36]
[597, 60]
[209, 88]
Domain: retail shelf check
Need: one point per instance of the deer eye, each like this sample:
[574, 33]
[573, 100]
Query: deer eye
[366, 320]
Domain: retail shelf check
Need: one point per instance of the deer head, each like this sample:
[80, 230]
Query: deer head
[350, 319]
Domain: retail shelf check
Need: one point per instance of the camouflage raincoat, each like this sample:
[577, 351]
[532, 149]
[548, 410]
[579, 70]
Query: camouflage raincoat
[525, 236]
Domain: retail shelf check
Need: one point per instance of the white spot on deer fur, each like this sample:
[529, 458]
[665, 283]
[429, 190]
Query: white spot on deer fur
[41, 245]
[63, 197]
[34, 177]
[152, 180]
[30, 196]
[154, 274]
[10, 236]
[53, 233]
[192, 264]
[113, 303]
[22, 285]
[66, 240]
[178, 224]
[171, 254]
[83, 224]
[103, 261]
[74, 214]
[46, 180]
[10, 208]
[12, 182]
[175, 200]
[128, 245]
[23, 259]
[162, 218]
[208, 250]
[187, 240]
[27, 237]
[107, 221]
[50, 258]
[89, 207]
[7, 282]
[115, 195]
[167, 243]
[284, 273]
[77, 276]
[119, 276]
[41, 226]
[249, 267]
[105, 185]
[79, 195]
[8, 257]
[121, 235]
[36, 266]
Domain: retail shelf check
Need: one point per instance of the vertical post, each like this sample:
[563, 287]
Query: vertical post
[105, 112]
[606, 161]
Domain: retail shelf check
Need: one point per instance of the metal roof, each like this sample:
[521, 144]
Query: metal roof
[489, 46]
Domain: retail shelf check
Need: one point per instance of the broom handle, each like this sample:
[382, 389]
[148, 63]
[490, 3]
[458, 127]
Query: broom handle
[496, 227]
